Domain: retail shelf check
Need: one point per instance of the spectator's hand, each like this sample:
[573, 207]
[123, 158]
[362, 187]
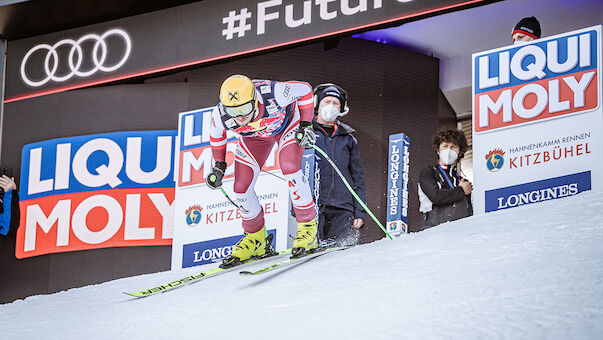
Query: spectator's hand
[358, 223]
[467, 186]
[7, 183]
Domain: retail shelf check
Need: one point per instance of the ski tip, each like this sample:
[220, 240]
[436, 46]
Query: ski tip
[133, 295]
[245, 273]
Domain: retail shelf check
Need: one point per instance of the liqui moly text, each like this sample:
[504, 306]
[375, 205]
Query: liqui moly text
[539, 81]
[97, 191]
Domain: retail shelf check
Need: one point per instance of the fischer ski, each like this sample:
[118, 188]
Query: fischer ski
[295, 260]
[205, 275]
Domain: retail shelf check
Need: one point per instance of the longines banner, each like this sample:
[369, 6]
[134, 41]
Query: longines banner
[538, 120]
[398, 165]
[206, 224]
[96, 191]
[188, 35]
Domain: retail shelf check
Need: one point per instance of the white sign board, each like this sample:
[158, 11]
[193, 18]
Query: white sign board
[537, 120]
[206, 224]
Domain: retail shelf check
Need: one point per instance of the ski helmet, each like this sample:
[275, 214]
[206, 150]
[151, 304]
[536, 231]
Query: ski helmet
[237, 96]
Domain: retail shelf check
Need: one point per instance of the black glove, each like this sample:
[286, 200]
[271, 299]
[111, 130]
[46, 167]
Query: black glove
[214, 179]
[305, 135]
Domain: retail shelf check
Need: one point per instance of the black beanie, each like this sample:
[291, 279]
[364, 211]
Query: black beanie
[528, 26]
[333, 92]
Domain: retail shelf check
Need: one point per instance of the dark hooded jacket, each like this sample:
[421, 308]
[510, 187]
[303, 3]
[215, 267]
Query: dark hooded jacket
[441, 197]
[342, 148]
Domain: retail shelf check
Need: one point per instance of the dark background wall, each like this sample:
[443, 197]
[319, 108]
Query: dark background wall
[390, 90]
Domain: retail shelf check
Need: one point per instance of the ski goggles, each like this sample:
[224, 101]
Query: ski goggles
[241, 110]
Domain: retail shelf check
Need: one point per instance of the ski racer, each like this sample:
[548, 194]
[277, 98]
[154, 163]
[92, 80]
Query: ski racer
[264, 112]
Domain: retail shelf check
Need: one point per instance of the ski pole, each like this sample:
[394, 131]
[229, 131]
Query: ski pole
[352, 190]
[275, 175]
[231, 201]
[238, 206]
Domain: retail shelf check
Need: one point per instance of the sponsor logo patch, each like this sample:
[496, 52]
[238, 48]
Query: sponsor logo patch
[193, 215]
[495, 160]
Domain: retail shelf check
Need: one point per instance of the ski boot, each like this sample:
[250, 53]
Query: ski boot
[306, 240]
[252, 245]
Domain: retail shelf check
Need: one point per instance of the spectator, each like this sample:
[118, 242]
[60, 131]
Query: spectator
[444, 195]
[527, 29]
[9, 204]
[340, 214]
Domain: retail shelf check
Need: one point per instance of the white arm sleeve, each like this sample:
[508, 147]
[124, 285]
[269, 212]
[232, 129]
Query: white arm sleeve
[287, 92]
[217, 133]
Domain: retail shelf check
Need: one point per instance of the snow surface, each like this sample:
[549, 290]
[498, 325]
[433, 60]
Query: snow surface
[533, 272]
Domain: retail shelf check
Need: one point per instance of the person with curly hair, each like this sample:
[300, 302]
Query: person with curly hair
[443, 193]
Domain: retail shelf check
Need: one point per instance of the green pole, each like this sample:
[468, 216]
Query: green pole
[352, 190]
[231, 201]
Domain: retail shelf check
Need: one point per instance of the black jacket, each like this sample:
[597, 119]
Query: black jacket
[9, 212]
[448, 202]
[342, 148]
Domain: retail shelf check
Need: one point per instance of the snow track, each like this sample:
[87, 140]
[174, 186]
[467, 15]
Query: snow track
[526, 273]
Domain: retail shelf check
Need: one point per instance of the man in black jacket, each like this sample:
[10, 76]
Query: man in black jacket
[444, 195]
[340, 214]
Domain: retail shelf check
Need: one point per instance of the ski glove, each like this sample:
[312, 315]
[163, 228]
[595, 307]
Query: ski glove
[305, 135]
[214, 180]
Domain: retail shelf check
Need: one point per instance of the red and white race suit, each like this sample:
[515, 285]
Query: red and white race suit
[281, 105]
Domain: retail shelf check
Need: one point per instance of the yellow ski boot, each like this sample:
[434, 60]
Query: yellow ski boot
[306, 239]
[251, 245]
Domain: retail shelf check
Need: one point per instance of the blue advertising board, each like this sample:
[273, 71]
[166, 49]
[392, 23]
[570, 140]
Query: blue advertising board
[397, 184]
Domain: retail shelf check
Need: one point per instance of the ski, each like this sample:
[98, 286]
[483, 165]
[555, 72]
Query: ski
[295, 260]
[204, 275]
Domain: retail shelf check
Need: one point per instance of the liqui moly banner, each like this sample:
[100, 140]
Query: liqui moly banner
[537, 120]
[96, 191]
[311, 170]
[397, 183]
[206, 224]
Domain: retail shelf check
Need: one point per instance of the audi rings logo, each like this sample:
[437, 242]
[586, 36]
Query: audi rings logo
[76, 57]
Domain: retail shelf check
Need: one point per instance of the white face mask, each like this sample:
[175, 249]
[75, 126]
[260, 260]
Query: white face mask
[448, 156]
[329, 113]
